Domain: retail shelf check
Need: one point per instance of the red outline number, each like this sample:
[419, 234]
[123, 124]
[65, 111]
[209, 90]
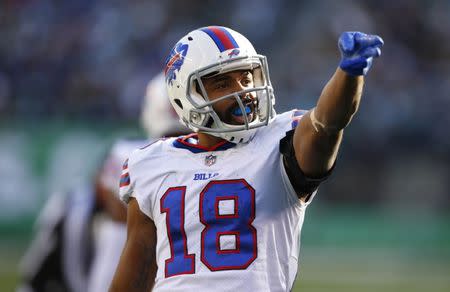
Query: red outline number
[238, 224]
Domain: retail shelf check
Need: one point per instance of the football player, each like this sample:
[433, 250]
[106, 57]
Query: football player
[222, 209]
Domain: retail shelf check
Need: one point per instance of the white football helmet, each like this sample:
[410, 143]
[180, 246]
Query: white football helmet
[211, 51]
[158, 117]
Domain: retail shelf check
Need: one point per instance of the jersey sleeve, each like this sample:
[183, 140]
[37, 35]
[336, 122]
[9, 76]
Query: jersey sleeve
[126, 188]
[292, 174]
[302, 184]
[280, 125]
[131, 183]
[291, 190]
[279, 130]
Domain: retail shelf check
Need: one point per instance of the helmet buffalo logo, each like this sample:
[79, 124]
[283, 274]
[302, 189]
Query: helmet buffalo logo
[175, 61]
[233, 53]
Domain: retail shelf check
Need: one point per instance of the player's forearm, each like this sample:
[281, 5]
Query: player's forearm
[317, 138]
[136, 270]
[338, 102]
[319, 134]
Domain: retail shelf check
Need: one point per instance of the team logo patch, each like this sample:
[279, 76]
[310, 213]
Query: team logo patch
[175, 61]
[210, 160]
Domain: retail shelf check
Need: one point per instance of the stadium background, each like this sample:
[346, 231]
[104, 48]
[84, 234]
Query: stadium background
[72, 77]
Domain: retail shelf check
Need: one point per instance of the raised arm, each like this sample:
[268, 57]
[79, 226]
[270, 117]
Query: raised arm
[137, 266]
[318, 136]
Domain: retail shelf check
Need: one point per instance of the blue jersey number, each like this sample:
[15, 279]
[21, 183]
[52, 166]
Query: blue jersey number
[228, 241]
[180, 261]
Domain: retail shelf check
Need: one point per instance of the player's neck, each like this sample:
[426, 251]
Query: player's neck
[208, 141]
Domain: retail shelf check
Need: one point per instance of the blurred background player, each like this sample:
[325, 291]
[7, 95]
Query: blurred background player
[158, 118]
[79, 235]
[77, 230]
[109, 232]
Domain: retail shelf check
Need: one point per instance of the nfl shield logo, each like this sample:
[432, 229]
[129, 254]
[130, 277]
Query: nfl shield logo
[210, 160]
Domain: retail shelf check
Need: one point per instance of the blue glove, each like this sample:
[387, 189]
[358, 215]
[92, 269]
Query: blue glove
[358, 50]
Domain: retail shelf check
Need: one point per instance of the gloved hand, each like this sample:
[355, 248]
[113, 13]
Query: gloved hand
[358, 50]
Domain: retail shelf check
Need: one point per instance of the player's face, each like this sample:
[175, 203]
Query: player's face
[228, 83]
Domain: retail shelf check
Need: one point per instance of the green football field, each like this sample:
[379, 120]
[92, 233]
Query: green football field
[9, 256]
[354, 249]
[386, 270]
[342, 250]
[326, 269]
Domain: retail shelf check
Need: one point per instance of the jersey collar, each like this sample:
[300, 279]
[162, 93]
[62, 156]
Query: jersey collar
[189, 142]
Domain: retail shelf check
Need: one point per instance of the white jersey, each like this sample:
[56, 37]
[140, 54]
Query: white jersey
[227, 218]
